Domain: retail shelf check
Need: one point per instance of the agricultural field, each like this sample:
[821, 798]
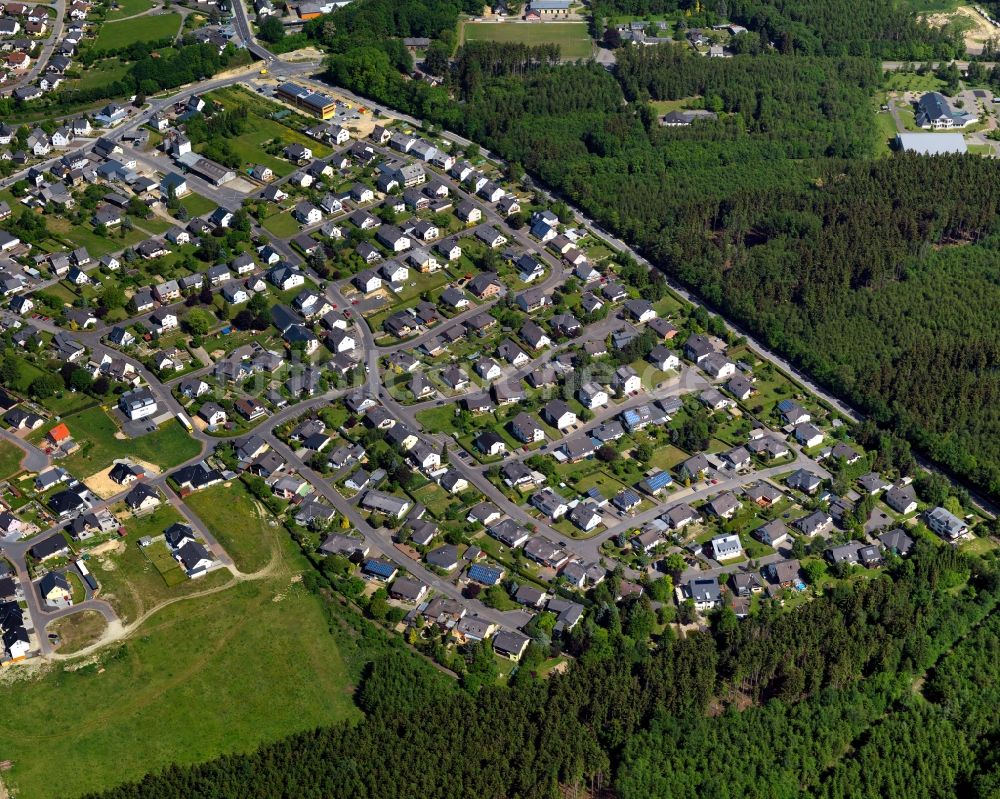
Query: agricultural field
[152, 28]
[572, 37]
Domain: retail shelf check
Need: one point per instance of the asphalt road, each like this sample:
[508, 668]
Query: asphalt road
[42, 61]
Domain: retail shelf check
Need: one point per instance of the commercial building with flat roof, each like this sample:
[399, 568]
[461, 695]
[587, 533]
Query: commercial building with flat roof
[932, 143]
[315, 103]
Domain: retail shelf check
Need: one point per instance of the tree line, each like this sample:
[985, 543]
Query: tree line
[813, 681]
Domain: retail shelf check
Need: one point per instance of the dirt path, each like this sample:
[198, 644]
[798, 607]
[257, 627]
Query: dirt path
[116, 631]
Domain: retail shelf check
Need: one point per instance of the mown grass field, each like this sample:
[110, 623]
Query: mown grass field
[217, 674]
[196, 205]
[572, 37]
[151, 28]
[282, 225]
[10, 459]
[129, 8]
[95, 431]
[233, 516]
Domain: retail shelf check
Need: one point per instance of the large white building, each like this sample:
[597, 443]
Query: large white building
[138, 404]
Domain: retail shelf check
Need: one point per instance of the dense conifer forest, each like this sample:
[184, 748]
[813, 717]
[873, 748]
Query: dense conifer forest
[885, 687]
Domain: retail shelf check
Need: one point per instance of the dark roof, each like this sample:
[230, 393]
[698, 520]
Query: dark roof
[135, 497]
[49, 546]
[380, 568]
[66, 501]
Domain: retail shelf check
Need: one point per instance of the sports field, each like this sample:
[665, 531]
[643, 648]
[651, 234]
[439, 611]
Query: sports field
[572, 37]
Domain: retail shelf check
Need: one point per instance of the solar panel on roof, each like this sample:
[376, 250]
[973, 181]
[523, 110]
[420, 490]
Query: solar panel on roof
[659, 480]
[484, 574]
[380, 568]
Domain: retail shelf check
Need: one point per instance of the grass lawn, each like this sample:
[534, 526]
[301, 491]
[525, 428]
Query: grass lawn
[662, 107]
[978, 546]
[101, 73]
[249, 145]
[84, 235]
[79, 593]
[95, 431]
[434, 498]
[78, 630]
[572, 37]
[908, 118]
[608, 485]
[10, 459]
[885, 127]
[912, 82]
[151, 28]
[66, 402]
[218, 674]
[439, 419]
[155, 523]
[282, 225]
[159, 555]
[667, 457]
[129, 8]
[196, 205]
[238, 522]
[155, 225]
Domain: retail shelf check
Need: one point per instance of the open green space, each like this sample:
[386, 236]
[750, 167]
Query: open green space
[151, 28]
[886, 132]
[129, 8]
[77, 589]
[66, 402]
[77, 630]
[196, 205]
[282, 225]
[101, 73]
[239, 523]
[662, 107]
[132, 584]
[212, 675]
[158, 554]
[10, 459]
[572, 37]
[249, 145]
[434, 498]
[95, 431]
[912, 82]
